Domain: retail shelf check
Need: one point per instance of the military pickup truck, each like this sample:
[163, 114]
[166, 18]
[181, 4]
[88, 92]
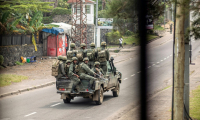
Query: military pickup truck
[110, 81]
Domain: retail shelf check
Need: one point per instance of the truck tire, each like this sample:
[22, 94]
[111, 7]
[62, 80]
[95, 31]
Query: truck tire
[67, 100]
[100, 96]
[116, 90]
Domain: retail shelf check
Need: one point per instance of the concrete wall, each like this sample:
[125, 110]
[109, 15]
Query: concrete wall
[13, 53]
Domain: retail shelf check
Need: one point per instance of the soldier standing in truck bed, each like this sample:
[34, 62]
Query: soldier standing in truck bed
[72, 52]
[68, 62]
[61, 68]
[91, 54]
[103, 56]
[82, 53]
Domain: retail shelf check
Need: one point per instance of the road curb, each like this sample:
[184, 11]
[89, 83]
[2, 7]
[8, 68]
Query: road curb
[27, 89]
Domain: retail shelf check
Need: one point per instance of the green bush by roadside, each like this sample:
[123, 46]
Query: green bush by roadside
[7, 79]
[195, 104]
[1, 59]
[18, 63]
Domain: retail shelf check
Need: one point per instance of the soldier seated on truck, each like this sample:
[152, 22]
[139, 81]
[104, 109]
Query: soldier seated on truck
[97, 69]
[85, 72]
[73, 70]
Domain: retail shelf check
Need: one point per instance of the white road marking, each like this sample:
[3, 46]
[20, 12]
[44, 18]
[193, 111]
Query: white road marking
[132, 75]
[167, 56]
[161, 60]
[164, 58]
[30, 114]
[149, 66]
[139, 72]
[157, 62]
[55, 104]
[125, 78]
[171, 55]
[153, 64]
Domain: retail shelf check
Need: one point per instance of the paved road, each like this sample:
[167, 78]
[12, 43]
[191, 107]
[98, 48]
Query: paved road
[45, 103]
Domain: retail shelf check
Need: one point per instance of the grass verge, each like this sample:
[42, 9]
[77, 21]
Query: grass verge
[129, 40]
[7, 79]
[195, 104]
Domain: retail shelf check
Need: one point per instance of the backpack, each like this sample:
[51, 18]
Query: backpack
[90, 54]
[102, 54]
[55, 68]
[80, 55]
[71, 54]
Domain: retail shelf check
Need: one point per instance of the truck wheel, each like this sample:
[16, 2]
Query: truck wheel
[116, 90]
[100, 96]
[67, 100]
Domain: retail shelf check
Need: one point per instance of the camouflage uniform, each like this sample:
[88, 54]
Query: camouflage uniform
[82, 53]
[85, 72]
[61, 70]
[103, 56]
[72, 52]
[67, 67]
[73, 69]
[98, 70]
[91, 54]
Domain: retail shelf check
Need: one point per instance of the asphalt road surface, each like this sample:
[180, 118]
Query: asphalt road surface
[45, 103]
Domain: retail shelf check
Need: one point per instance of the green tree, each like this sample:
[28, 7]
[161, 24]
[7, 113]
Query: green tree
[13, 18]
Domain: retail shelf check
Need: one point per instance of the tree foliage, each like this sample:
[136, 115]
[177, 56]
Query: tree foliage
[22, 16]
[195, 27]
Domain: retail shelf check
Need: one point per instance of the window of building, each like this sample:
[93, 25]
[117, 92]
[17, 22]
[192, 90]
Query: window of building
[88, 9]
[78, 9]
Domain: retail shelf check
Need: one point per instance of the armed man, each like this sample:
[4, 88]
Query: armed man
[61, 68]
[73, 74]
[91, 54]
[72, 52]
[85, 72]
[103, 56]
[97, 69]
[82, 53]
[68, 62]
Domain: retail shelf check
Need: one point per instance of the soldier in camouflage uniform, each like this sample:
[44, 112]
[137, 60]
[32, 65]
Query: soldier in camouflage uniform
[73, 74]
[91, 54]
[72, 52]
[82, 53]
[61, 70]
[103, 56]
[97, 69]
[85, 72]
[67, 67]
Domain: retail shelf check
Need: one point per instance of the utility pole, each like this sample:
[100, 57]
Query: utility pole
[96, 23]
[179, 62]
[164, 14]
[186, 74]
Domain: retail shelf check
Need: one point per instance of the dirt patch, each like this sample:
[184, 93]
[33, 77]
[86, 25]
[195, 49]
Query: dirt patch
[36, 70]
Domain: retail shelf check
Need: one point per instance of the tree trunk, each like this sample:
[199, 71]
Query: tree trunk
[179, 61]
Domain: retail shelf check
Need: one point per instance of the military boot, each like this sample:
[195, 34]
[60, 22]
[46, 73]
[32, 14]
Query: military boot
[73, 89]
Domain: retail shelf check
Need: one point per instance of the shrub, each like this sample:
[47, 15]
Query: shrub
[1, 59]
[60, 11]
[113, 37]
[128, 33]
[18, 63]
[47, 20]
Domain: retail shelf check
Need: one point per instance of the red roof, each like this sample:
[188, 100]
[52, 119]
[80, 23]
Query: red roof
[86, 1]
